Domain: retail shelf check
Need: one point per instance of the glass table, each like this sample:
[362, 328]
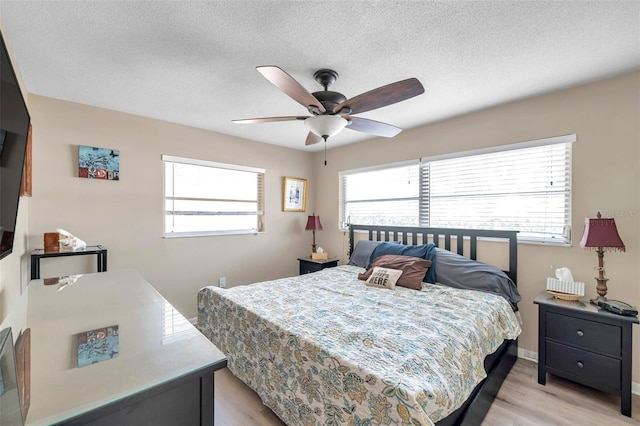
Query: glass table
[99, 251]
[154, 372]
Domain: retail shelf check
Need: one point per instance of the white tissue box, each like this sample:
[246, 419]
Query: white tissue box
[569, 287]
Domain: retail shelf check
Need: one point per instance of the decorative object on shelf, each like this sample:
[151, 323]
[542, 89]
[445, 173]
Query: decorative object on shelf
[51, 242]
[313, 223]
[601, 234]
[98, 345]
[563, 287]
[69, 242]
[98, 163]
[62, 240]
[294, 194]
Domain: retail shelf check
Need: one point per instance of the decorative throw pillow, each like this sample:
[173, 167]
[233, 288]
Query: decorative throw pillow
[413, 269]
[424, 251]
[384, 277]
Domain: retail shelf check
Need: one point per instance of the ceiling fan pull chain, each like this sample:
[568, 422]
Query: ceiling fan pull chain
[325, 151]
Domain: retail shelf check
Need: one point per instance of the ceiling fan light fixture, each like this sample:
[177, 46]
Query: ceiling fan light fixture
[325, 125]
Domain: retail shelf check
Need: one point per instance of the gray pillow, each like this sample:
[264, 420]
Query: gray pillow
[458, 271]
[362, 253]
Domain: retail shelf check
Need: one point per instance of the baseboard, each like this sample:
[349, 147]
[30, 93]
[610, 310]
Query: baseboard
[528, 355]
[533, 356]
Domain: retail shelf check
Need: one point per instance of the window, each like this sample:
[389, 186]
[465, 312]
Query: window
[206, 198]
[525, 186]
[382, 196]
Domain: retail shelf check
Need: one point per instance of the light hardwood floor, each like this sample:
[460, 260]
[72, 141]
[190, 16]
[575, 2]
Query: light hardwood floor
[521, 401]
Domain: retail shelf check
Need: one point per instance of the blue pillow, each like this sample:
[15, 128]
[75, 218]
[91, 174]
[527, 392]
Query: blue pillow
[424, 251]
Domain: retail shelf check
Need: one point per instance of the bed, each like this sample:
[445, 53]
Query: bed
[324, 348]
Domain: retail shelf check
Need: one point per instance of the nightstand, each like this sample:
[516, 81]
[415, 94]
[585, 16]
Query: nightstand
[308, 265]
[585, 344]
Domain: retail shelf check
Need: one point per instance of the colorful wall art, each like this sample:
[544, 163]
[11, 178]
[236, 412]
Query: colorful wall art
[98, 163]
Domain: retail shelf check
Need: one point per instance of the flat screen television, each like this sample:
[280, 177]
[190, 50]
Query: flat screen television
[14, 131]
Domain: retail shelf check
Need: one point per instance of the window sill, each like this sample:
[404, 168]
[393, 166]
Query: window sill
[208, 234]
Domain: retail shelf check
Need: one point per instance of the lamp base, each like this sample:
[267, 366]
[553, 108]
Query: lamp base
[601, 289]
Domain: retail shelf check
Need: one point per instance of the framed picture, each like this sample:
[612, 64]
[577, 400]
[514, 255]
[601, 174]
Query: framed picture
[98, 163]
[294, 195]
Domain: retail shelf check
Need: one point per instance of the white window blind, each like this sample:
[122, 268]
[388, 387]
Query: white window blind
[524, 189]
[525, 186]
[383, 196]
[204, 198]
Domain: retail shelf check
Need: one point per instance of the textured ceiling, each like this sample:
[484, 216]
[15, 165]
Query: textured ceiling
[193, 62]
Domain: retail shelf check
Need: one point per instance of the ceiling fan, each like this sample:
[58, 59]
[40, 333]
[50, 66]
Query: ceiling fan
[332, 111]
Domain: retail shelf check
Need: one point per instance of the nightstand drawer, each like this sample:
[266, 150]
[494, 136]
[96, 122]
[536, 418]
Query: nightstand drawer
[591, 335]
[587, 367]
[308, 265]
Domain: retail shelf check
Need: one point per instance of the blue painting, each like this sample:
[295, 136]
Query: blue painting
[98, 345]
[98, 163]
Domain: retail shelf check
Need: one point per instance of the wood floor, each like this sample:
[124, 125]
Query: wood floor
[521, 401]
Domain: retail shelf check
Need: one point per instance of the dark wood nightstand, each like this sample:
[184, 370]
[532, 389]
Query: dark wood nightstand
[308, 265]
[585, 344]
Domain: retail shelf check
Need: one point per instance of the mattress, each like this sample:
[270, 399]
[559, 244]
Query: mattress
[323, 348]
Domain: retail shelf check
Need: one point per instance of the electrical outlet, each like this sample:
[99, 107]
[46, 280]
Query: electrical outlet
[222, 282]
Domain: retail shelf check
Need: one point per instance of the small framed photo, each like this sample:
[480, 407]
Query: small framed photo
[294, 195]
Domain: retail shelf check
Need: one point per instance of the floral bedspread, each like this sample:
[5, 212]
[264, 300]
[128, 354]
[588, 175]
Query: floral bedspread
[324, 349]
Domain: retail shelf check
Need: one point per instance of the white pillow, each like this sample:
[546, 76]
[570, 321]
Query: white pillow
[384, 277]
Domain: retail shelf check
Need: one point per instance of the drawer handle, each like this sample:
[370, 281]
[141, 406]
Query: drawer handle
[580, 333]
[580, 364]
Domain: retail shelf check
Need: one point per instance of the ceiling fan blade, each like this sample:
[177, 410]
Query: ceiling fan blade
[382, 96]
[312, 138]
[374, 127]
[291, 87]
[268, 119]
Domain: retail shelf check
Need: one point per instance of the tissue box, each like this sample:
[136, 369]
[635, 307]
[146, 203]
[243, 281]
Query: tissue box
[569, 287]
[319, 256]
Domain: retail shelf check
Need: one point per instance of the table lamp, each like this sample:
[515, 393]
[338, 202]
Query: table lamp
[313, 223]
[601, 234]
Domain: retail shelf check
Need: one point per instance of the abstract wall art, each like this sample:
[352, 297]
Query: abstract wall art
[98, 163]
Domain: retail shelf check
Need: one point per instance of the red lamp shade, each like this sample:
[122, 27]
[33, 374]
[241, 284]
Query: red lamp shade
[601, 233]
[313, 223]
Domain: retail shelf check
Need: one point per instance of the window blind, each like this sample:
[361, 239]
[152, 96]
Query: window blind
[525, 189]
[212, 198]
[382, 196]
[524, 186]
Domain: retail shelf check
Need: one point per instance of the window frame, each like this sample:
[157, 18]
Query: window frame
[260, 213]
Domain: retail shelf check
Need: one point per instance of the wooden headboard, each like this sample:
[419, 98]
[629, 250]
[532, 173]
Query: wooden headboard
[416, 235]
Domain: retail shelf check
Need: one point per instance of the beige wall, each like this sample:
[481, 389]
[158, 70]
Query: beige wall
[126, 216]
[604, 115]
